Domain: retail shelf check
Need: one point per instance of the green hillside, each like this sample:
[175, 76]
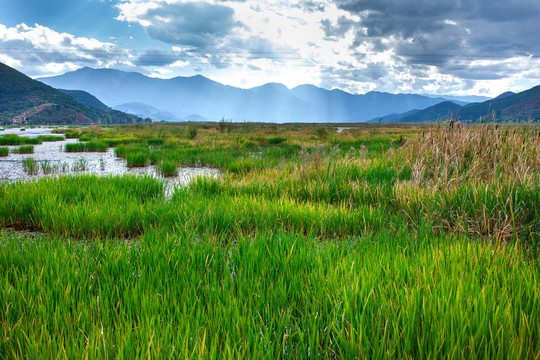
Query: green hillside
[37, 103]
[86, 98]
[507, 107]
[435, 112]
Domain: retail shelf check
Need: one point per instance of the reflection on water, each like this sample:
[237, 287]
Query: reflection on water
[106, 163]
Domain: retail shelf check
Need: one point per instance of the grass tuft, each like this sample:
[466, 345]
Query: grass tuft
[90, 146]
[167, 168]
[24, 149]
[30, 166]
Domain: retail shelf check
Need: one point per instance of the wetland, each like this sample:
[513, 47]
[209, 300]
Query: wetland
[293, 241]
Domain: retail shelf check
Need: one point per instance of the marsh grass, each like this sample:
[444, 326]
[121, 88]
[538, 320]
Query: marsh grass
[155, 142]
[167, 168]
[86, 138]
[276, 140]
[275, 295]
[90, 146]
[404, 242]
[138, 159]
[14, 139]
[72, 134]
[4, 151]
[30, 166]
[80, 165]
[47, 168]
[156, 156]
[454, 154]
[50, 138]
[193, 131]
[98, 202]
[24, 149]
[123, 151]
[479, 179]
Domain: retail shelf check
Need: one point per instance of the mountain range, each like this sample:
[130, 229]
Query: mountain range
[27, 101]
[86, 95]
[198, 99]
[509, 106]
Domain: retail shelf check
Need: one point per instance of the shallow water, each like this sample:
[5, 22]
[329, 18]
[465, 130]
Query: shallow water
[28, 132]
[340, 129]
[105, 163]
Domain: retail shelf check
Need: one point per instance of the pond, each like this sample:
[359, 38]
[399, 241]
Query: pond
[51, 155]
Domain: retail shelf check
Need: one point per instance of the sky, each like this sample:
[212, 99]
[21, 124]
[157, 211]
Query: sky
[452, 47]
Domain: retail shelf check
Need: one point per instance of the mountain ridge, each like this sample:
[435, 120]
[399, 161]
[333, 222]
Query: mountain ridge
[27, 101]
[211, 100]
[509, 106]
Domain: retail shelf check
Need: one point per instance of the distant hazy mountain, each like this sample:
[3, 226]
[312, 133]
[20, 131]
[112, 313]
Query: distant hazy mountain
[520, 107]
[462, 100]
[149, 111]
[200, 98]
[440, 111]
[30, 101]
[392, 118]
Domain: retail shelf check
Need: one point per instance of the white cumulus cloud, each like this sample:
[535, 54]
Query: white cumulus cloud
[38, 50]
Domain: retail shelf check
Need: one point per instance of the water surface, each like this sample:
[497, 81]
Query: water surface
[105, 163]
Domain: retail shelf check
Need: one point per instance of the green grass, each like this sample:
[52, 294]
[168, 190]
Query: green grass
[167, 168]
[90, 146]
[13, 139]
[24, 149]
[155, 142]
[86, 138]
[124, 151]
[279, 295]
[378, 242]
[193, 131]
[4, 151]
[80, 165]
[52, 138]
[47, 167]
[138, 159]
[72, 135]
[277, 140]
[30, 166]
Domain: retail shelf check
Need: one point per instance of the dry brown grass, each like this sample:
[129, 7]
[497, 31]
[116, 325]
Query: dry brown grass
[480, 179]
[453, 154]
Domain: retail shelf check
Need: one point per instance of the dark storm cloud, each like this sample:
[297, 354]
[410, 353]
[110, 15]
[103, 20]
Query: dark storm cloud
[198, 25]
[493, 10]
[449, 35]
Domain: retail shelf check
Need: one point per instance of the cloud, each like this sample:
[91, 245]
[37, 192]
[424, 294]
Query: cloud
[215, 35]
[448, 35]
[337, 30]
[37, 50]
[355, 45]
[190, 24]
[156, 57]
